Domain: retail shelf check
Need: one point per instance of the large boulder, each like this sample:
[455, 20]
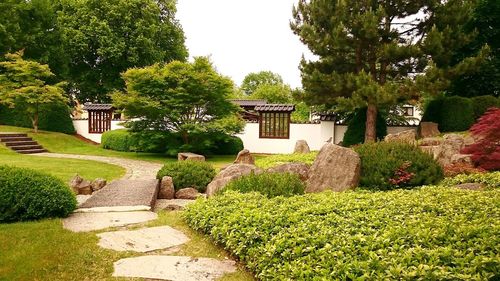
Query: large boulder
[244, 157]
[187, 193]
[464, 159]
[300, 169]
[75, 182]
[301, 146]
[230, 173]
[98, 184]
[335, 168]
[408, 136]
[167, 190]
[188, 156]
[428, 129]
[452, 145]
[80, 186]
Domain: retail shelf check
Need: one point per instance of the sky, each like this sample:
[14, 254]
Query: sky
[243, 36]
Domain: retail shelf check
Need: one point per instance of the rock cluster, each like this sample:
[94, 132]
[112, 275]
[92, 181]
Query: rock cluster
[408, 136]
[84, 187]
[230, 173]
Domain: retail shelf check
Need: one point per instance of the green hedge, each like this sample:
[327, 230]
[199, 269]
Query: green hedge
[433, 233]
[482, 103]
[26, 194]
[390, 165]
[54, 118]
[196, 174]
[355, 133]
[278, 159]
[269, 184]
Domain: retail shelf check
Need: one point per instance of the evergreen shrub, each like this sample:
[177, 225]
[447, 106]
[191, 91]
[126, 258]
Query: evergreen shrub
[269, 184]
[483, 103]
[26, 194]
[355, 133]
[457, 114]
[196, 174]
[390, 165]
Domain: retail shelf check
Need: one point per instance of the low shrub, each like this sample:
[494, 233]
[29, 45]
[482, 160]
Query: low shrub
[278, 159]
[457, 114]
[269, 184]
[119, 140]
[432, 233]
[355, 133]
[124, 140]
[185, 174]
[482, 103]
[389, 165]
[461, 168]
[26, 194]
[207, 144]
[491, 179]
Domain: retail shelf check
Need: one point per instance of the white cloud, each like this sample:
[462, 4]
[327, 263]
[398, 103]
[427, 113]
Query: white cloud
[244, 36]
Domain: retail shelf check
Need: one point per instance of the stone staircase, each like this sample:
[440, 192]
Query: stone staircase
[21, 143]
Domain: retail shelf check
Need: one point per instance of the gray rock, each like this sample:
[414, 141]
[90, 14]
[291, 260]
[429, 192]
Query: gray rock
[432, 150]
[167, 190]
[301, 146]
[335, 168]
[187, 193]
[98, 184]
[452, 144]
[408, 136]
[173, 268]
[171, 205]
[244, 157]
[430, 142]
[300, 169]
[230, 173]
[82, 222]
[462, 159]
[428, 129]
[188, 156]
[470, 186]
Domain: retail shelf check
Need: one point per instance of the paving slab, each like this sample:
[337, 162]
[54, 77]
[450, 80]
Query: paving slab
[173, 268]
[171, 204]
[81, 222]
[142, 240]
[124, 193]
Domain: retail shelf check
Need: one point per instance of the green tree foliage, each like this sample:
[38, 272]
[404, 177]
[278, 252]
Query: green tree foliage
[105, 38]
[273, 93]
[178, 97]
[255, 79]
[26, 84]
[368, 50]
[355, 133]
[482, 103]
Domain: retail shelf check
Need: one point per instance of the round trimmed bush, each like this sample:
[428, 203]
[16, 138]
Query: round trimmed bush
[27, 194]
[196, 174]
[119, 140]
[457, 114]
[268, 184]
[391, 165]
[432, 112]
[355, 133]
[482, 103]
[124, 140]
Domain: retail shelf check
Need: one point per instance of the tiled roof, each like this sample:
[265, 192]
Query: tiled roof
[327, 116]
[249, 102]
[97, 106]
[275, 108]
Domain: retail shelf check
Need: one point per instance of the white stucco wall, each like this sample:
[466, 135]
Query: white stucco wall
[82, 128]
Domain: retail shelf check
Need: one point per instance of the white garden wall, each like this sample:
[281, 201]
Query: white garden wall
[82, 128]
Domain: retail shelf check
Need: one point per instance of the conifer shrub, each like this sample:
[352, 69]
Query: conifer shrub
[355, 133]
[269, 184]
[432, 112]
[26, 195]
[457, 114]
[390, 165]
[483, 103]
[195, 174]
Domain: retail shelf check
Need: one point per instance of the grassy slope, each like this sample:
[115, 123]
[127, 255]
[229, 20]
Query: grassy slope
[45, 251]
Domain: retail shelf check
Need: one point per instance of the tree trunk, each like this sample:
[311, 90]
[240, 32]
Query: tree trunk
[371, 124]
[185, 137]
[34, 121]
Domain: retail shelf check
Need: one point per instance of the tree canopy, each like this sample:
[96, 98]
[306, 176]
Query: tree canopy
[369, 51]
[180, 97]
[255, 79]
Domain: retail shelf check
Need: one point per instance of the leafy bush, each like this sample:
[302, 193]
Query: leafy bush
[185, 174]
[486, 150]
[30, 195]
[432, 112]
[355, 133]
[457, 114]
[269, 184]
[432, 233]
[389, 165]
[491, 179]
[482, 103]
[53, 117]
[119, 140]
[278, 159]
[213, 143]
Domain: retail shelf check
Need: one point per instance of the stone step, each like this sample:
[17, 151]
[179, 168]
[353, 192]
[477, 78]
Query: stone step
[8, 135]
[26, 147]
[31, 151]
[19, 143]
[10, 139]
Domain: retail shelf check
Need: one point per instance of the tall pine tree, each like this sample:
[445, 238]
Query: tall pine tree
[369, 51]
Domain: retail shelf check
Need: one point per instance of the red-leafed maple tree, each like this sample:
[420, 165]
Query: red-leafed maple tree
[486, 151]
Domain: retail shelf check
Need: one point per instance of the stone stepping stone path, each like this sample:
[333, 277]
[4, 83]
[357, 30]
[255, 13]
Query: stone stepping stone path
[173, 268]
[123, 193]
[82, 222]
[142, 240]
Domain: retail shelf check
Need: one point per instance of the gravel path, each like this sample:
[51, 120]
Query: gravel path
[136, 169]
